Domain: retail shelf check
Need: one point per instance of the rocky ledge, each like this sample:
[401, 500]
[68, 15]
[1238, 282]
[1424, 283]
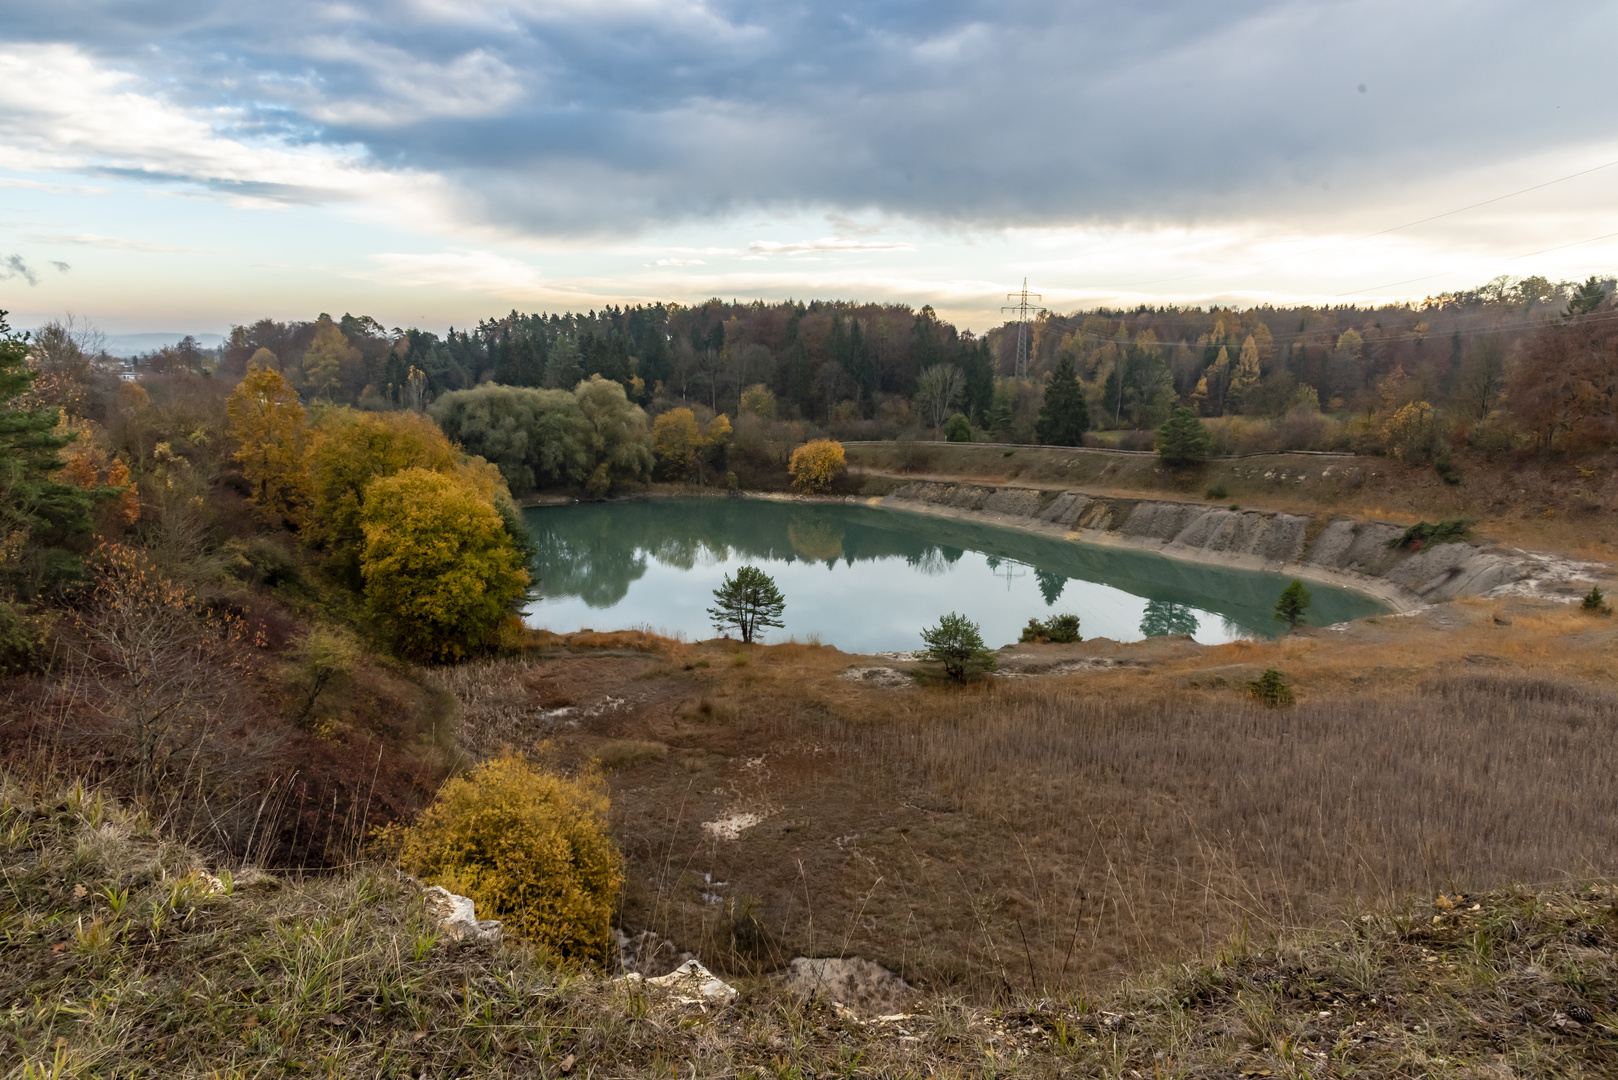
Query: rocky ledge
[1335, 550]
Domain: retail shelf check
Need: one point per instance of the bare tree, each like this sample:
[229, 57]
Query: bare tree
[937, 389]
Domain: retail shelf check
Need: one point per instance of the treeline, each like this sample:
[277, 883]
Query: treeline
[822, 361]
[1504, 357]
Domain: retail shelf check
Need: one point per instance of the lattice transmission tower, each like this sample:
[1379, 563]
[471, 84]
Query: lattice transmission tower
[1023, 309]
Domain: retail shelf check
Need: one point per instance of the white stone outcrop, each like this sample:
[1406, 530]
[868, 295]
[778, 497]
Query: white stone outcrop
[458, 920]
[689, 984]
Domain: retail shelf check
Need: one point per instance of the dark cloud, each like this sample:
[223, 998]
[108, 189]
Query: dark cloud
[12, 266]
[61, 267]
[556, 116]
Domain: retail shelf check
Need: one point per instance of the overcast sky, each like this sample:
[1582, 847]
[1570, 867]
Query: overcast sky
[188, 164]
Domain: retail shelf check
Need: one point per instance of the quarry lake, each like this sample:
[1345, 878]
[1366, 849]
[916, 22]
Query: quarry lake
[867, 579]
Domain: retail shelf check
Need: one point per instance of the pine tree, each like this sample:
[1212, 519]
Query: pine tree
[1294, 602]
[749, 603]
[1586, 298]
[40, 515]
[1183, 439]
[1063, 416]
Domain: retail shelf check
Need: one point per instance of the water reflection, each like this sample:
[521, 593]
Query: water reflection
[862, 574]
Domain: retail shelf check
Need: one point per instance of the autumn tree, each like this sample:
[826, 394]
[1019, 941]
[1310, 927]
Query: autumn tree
[1244, 379]
[267, 422]
[675, 438]
[817, 465]
[536, 438]
[1477, 386]
[349, 450]
[441, 572]
[327, 358]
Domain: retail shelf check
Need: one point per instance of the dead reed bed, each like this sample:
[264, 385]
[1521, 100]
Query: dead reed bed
[1051, 837]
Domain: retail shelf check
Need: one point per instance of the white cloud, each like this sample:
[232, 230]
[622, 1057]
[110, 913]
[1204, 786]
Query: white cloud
[117, 243]
[834, 244]
[61, 111]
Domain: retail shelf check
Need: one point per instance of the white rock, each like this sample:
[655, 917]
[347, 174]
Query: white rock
[689, 984]
[456, 917]
[850, 981]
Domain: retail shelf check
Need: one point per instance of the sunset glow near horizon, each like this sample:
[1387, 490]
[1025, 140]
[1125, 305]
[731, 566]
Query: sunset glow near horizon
[184, 167]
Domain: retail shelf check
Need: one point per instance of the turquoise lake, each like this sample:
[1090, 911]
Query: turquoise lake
[867, 579]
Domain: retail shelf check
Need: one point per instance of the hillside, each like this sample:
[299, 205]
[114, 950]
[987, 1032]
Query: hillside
[126, 957]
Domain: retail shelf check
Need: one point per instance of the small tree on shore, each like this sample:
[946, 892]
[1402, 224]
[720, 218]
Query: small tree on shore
[749, 603]
[817, 465]
[1294, 602]
[957, 644]
[1183, 439]
[1271, 688]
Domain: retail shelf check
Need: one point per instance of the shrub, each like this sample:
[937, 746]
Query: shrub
[1183, 439]
[958, 428]
[1411, 434]
[1060, 629]
[1421, 534]
[1595, 603]
[530, 848]
[1271, 689]
[817, 465]
[440, 570]
[1217, 491]
[1293, 603]
[957, 643]
[1447, 472]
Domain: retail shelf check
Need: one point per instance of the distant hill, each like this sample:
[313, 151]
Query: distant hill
[135, 344]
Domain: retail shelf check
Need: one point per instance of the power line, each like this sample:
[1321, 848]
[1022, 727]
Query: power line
[1023, 310]
[1383, 232]
[1446, 273]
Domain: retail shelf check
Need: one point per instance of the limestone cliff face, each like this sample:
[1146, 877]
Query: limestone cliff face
[1335, 548]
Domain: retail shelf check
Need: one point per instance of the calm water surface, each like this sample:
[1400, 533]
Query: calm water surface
[867, 579]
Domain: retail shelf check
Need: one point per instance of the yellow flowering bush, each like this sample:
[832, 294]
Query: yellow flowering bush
[816, 465]
[530, 848]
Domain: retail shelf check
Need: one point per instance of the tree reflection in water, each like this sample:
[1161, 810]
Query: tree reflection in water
[1164, 617]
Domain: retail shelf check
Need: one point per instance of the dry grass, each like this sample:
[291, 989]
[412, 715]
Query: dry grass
[1052, 835]
[125, 957]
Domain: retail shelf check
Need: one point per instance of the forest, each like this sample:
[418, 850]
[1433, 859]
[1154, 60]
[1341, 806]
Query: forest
[1511, 364]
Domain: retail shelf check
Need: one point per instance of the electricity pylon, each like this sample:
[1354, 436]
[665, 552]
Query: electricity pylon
[1022, 308]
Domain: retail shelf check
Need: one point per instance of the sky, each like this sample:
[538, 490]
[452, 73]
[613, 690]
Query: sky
[192, 164]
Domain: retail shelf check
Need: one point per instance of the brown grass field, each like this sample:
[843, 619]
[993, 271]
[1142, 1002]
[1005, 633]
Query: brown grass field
[1051, 834]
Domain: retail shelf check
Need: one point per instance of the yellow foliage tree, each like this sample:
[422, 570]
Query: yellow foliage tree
[675, 437]
[349, 450]
[1412, 434]
[757, 400]
[268, 423]
[816, 465]
[441, 573]
[328, 354]
[1244, 379]
[530, 848]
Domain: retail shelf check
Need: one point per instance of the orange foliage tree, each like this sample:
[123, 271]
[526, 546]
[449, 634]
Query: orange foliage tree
[267, 420]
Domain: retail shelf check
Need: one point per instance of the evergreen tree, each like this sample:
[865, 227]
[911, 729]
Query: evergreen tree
[45, 517]
[1063, 416]
[750, 603]
[1183, 439]
[957, 643]
[1294, 602]
[1586, 298]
